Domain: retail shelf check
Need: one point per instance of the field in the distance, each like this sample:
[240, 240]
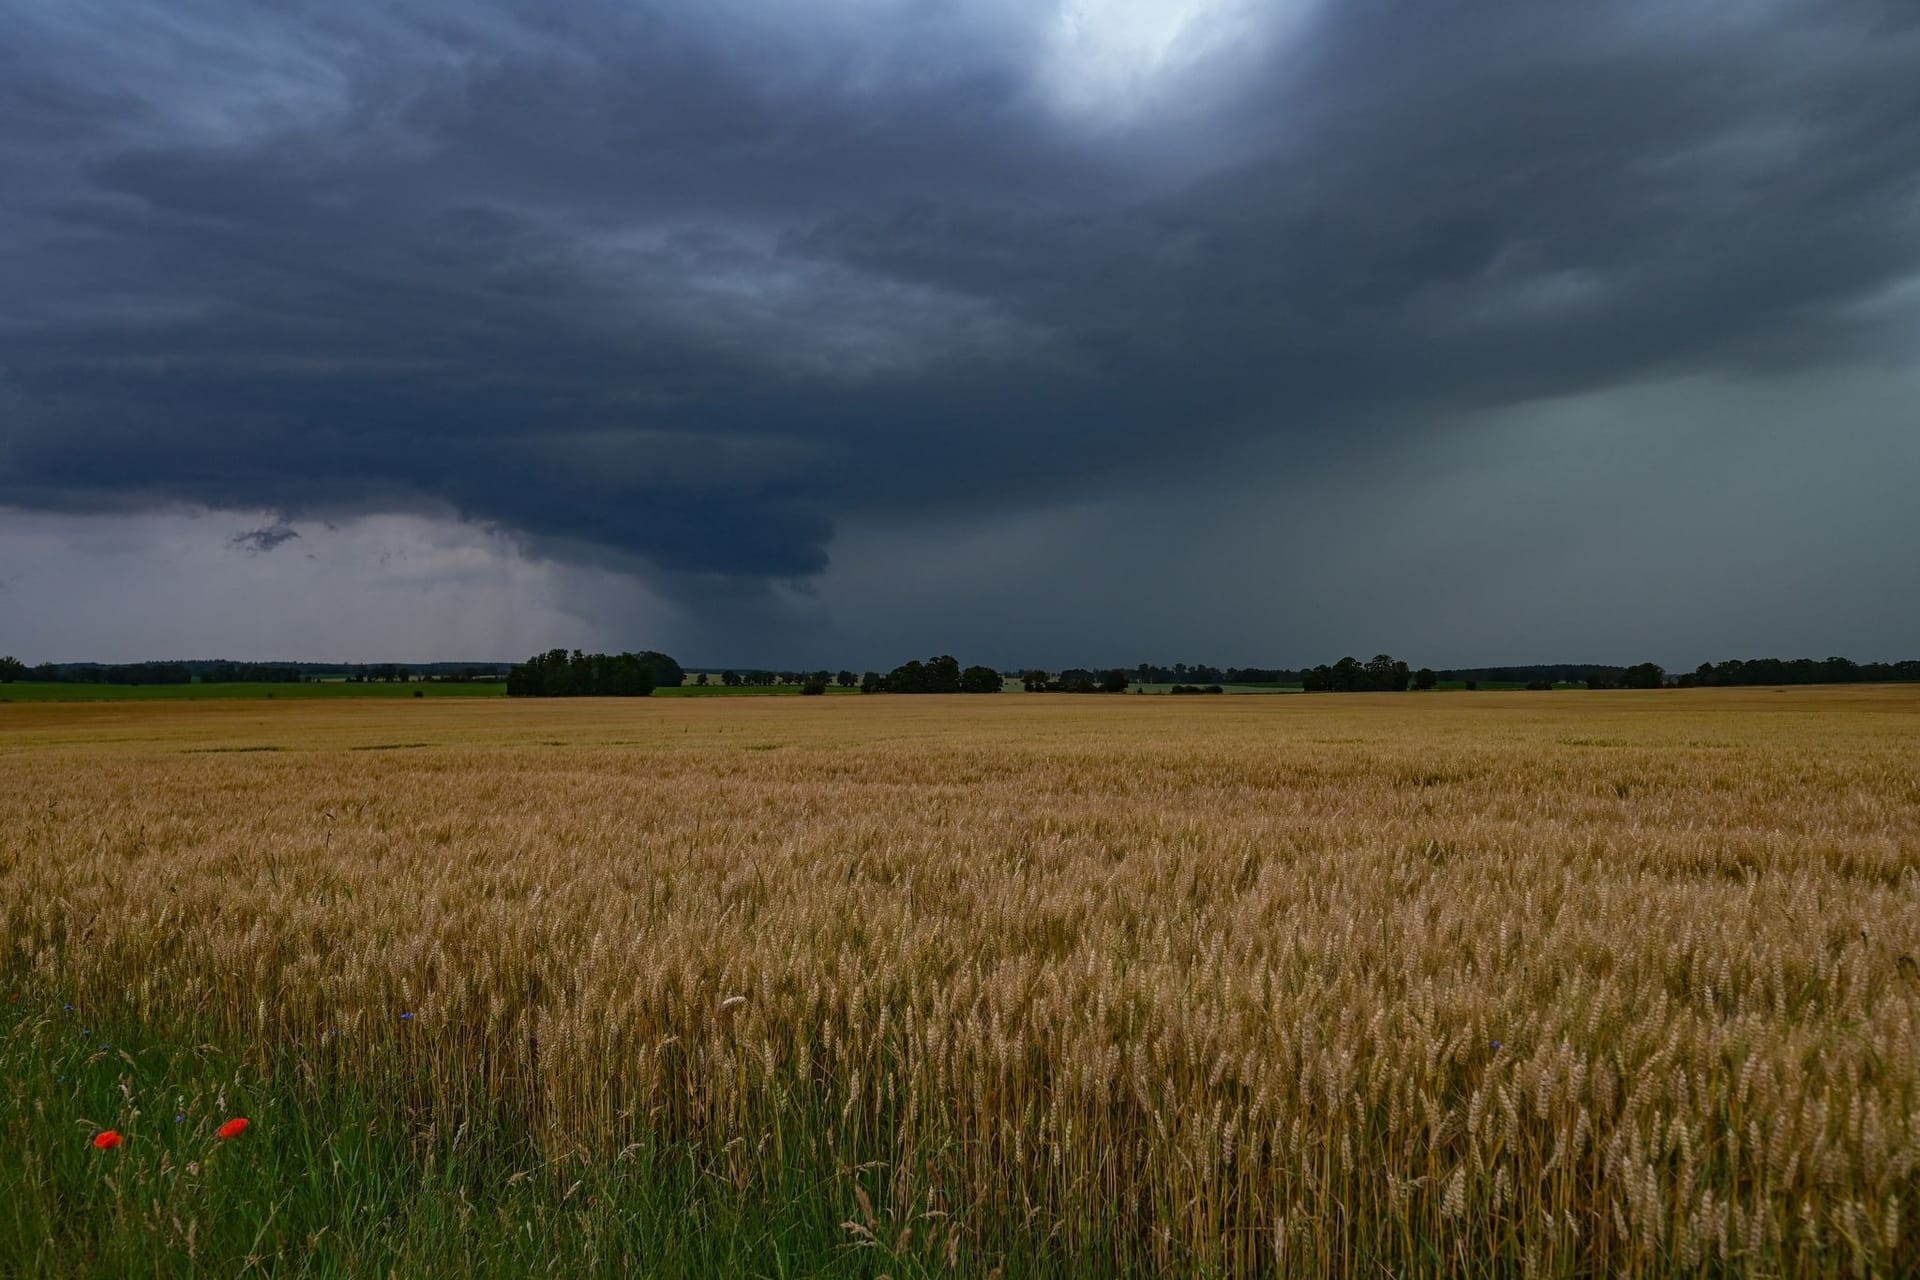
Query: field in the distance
[1336, 985]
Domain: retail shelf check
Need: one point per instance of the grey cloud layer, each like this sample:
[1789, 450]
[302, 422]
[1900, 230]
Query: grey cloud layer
[688, 287]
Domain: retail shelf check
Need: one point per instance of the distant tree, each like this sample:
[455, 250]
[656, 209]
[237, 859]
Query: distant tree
[908, 677]
[936, 675]
[1076, 680]
[1034, 681]
[980, 680]
[815, 685]
[1350, 675]
[846, 680]
[701, 680]
[11, 669]
[731, 679]
[1114, 681]
[1471, 685]
[559, 674]
[1425, 679]
[1647, 675]
[1386, 675]
[943, 674]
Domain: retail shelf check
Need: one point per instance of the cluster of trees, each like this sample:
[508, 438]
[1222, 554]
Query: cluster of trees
[935, 675]
[559, 674]
[1380, 674]
[1552, 673]
[1735, 671]
[1644, 675]
[388, 673]
[752, 679]
[382, 673]
[1194, 688]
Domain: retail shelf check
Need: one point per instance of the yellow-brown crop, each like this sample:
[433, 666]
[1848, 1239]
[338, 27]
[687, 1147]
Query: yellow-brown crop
[1600, 982]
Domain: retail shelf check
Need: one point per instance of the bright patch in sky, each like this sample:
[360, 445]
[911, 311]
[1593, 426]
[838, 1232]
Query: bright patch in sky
[1117, 58]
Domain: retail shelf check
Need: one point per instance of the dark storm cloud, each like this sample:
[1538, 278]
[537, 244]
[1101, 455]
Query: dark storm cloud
[683, 287]
[264, 539]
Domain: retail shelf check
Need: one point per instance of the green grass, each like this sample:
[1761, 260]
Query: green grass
[330, 1181]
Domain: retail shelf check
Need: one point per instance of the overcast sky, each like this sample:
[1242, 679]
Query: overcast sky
[840, 332]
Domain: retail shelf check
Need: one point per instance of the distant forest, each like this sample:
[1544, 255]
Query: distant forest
[573, 670]
[1733, 672]
[559, 674]
[222, 671]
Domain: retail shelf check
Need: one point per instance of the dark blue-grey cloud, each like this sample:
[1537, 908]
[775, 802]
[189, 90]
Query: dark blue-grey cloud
[689, 288]
[266, 538]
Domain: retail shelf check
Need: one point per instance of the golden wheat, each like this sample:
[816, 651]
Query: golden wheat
[1553, 982]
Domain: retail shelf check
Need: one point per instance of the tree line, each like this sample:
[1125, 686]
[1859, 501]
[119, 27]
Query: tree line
[128, 673]
[138, 673]
[941, 674]
[223, 671]
[753, 679]
[572, 670]
[1736, 671]
[560, 674]
[1202, 674]
[1380, 674]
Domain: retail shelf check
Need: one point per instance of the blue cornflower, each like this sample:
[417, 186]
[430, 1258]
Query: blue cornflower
[406, 1017]
[67, 1007]
[179, 1117]
[1496, 1046]
[86, 1031]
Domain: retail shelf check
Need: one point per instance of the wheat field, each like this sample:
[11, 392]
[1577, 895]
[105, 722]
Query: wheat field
[1530, 983]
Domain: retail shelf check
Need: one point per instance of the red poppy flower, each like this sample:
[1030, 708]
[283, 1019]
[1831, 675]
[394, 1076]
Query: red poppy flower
[233, 1128]
[108, 1139]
